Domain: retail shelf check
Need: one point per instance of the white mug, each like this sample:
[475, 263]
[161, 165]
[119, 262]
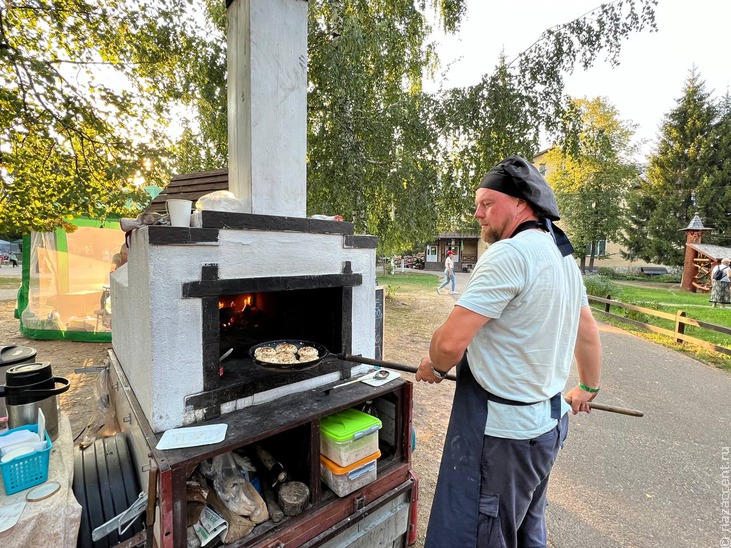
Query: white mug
[179, 212]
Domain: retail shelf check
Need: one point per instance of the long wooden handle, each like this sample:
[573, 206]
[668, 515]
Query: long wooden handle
[451, 377]
[384, 363]
[613, 409]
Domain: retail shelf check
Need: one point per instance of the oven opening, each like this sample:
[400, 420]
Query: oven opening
[310, 315]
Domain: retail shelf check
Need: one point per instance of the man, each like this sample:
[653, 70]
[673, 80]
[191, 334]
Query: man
[513, 331]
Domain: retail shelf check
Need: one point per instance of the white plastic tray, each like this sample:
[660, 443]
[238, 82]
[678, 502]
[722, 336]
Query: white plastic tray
[378, 382]
[192, 436]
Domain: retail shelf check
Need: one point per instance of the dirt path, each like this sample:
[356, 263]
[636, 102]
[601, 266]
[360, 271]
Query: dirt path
[411, 318]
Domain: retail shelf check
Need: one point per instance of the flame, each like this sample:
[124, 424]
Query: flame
[237, 302]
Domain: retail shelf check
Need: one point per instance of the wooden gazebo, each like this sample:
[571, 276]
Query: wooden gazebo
[700, 258]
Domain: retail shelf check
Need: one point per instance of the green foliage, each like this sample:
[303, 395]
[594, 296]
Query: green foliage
[713, 191]
[371, 138]
[591, 172]
[480, 125]
[607, 272]
[75, 126]
[541, 69]
[600, 286]
[504, 113]
[684, 172]
[89, 88]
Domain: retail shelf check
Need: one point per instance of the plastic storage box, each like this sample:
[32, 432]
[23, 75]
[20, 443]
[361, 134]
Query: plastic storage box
[28, 470]
[343, 480]
[349, 436]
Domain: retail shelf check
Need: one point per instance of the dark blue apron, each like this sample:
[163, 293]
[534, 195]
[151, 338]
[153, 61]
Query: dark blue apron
[454, 516]
[455, 510]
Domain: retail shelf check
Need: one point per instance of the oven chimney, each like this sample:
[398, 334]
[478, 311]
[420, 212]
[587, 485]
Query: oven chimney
[267, 105]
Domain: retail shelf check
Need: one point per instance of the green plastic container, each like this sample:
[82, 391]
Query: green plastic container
[349, 436]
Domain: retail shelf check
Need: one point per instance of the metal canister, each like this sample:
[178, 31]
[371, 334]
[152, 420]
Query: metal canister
[28, 388]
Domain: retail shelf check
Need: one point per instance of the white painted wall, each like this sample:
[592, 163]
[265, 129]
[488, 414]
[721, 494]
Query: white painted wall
[267, 105]
[157, 335]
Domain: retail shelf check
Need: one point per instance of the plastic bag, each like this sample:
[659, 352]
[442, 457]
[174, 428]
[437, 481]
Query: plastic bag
[220, 200]
[229, 484]
[103, 421]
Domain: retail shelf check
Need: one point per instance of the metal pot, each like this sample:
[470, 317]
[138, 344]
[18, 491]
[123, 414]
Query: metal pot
[29, 387]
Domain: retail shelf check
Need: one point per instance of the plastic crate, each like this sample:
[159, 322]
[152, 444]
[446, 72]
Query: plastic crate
[26, 471]
[343, 480]
[349, 436]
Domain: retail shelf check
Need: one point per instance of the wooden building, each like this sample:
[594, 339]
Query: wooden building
[700, 258]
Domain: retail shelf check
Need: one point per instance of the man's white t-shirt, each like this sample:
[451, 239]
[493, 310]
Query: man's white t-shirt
[533, 297]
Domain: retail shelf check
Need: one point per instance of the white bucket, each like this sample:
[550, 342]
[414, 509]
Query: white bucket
[179, 212]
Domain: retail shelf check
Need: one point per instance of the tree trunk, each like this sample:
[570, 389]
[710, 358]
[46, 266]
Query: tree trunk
[591, 256]
[582, 264]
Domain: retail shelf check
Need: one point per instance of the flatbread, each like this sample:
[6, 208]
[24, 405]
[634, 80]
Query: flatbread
[265, 352]
[286, 347]
[308, 353]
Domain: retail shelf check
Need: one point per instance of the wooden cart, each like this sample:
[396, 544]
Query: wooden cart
[378, 514]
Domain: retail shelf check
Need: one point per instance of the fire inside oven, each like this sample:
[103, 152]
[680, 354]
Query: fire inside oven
[310, 315]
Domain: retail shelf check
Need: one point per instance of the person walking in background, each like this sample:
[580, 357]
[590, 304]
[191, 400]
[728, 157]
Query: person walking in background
[13, 259]
[511, 335]
[721, 284]
[449, 273]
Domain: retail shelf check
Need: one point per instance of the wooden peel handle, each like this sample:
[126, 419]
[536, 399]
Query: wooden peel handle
[451, 377]
[613, 409]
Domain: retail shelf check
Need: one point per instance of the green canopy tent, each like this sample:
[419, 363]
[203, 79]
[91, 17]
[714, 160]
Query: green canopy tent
[64, 292]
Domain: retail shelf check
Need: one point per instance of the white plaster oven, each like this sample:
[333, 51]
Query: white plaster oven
[158, 332]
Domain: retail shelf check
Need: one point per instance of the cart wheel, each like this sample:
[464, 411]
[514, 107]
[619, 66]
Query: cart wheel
[105, 485]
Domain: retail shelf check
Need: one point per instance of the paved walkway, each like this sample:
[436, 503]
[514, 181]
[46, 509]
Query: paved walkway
[651, 481]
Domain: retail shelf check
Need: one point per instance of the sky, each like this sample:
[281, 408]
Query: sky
[653, 66]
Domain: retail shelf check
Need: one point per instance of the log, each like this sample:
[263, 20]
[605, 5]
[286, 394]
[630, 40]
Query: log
[293, 496]
[275, 512]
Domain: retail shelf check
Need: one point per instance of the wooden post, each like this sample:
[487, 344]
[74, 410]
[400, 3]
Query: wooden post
[606, 305]
[679, 326]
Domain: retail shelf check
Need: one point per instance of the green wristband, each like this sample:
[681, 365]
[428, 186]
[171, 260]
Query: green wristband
[588, 388]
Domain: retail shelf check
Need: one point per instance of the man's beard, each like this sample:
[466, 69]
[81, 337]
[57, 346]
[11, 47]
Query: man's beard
[490, 235]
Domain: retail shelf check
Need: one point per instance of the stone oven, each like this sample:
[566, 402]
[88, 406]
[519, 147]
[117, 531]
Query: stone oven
[187, 295]
[190, 294]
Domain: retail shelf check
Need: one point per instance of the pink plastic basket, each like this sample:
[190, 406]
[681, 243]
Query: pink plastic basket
[26, 471]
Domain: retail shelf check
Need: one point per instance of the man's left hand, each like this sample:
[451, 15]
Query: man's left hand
[579, 399]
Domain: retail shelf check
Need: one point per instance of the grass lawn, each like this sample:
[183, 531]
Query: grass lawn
[408, 282]
[671, 300]
[9, 282]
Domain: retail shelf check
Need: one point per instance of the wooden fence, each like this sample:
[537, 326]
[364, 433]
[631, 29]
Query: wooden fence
[680, 318]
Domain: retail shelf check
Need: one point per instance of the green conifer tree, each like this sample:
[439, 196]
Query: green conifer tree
[664, 202]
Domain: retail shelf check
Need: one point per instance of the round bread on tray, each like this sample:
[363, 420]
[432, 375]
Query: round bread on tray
[265, 352]
[308, 353]
[286, 347]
